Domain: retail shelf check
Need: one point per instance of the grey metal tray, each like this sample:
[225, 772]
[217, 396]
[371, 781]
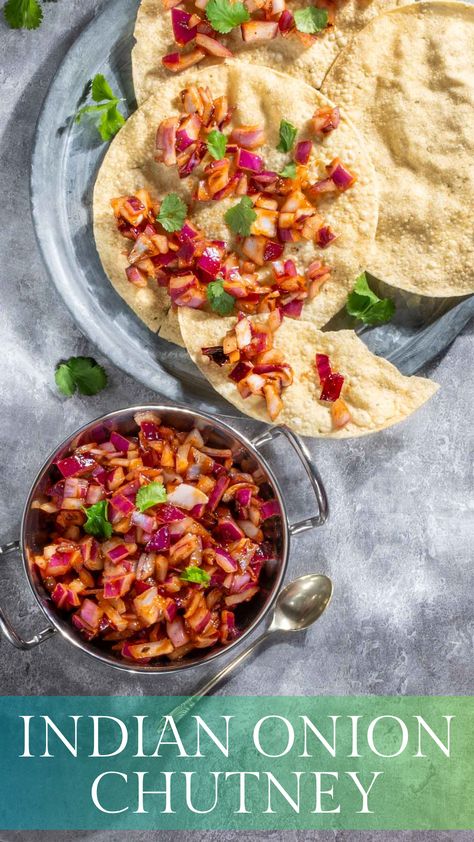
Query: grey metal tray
[65, 161]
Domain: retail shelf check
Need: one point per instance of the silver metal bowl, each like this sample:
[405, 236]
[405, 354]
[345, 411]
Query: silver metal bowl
[34, 534]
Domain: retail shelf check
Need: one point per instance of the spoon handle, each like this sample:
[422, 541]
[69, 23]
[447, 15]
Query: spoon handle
[184, 708]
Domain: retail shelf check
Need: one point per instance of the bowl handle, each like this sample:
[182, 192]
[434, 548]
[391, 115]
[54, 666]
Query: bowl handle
[5, 624]
[305, 457]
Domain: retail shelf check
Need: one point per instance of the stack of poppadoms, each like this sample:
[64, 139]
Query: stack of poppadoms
[402, 78]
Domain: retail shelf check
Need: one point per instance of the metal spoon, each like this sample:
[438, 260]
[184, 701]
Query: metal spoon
[298, 606]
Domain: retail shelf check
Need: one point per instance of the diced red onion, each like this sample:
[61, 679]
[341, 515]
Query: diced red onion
[325, 236]
[215, 495]
[228, 530]
[212, 46]
[176, 632]
[235, 599]
[75, 466]
[303, 151]
[144, 521]
[181, 30]
[271, 508]
[249, 161]
[241, 370]
[292, 309]
[170, 514]
[286, 22]
[225, 560]
[159, 541]
[122, 504]
[273, 251]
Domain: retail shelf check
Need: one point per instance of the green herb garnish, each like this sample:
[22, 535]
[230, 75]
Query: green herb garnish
[97, 523]
[23, 14]
[224, 15]
[311, 19]
[289, 171]
[149, 495]
[195, 574]
[220, 300]
[287, 136]
[365, 305]
[172, 213]
[239, 218]
[81, 373]
[108, 118]
[216, 144]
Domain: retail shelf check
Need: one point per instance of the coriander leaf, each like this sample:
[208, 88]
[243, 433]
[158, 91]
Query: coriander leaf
[311, 20]
[23, 14]
[82, 373]
[172, 213]
[64, 380]
[224, 15]
[216, 144]
[195, 574]
[287, 136]
[289, 171]
[101, 89]
[112, 120]
[151, 494]
[108, 118]
[365, 305]
[220, 300]
[90, 109]
[239, 218]
[97, 523]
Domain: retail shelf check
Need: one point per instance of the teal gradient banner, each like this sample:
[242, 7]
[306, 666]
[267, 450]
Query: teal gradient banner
[249, 763]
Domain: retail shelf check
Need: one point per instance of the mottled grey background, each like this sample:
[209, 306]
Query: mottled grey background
[399, 542]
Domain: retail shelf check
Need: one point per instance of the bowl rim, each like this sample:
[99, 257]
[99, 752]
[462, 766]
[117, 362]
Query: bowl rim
[66, 630]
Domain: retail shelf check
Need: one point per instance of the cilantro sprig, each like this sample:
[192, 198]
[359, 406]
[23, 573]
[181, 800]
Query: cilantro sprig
[23, 14]
[311, 20]
[149, 495]
[365, 305]
[97, 523]
[196, 575]
[223, 15]
[216, 144]
[220, 300]
[239, 218]
[288, 134]
[105, 112]
[81, 373]
[172, 213]
[289, 170]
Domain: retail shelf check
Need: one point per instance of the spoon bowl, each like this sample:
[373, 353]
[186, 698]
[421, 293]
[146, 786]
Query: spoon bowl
[302, 602]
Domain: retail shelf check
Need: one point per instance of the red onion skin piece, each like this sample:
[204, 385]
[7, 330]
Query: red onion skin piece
[323, 367]
[331, 388]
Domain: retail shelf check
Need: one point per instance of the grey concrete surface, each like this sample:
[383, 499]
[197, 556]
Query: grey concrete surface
[399, 542]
